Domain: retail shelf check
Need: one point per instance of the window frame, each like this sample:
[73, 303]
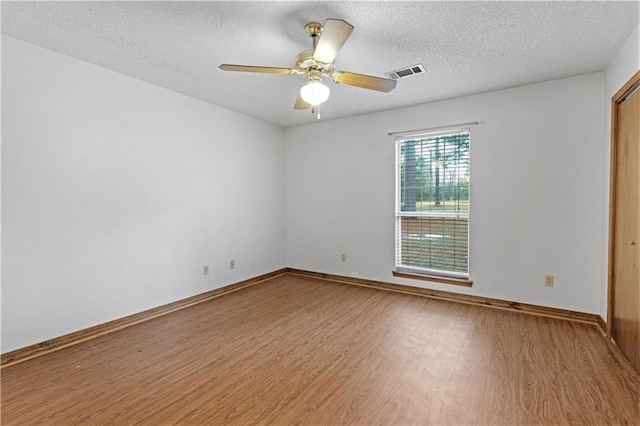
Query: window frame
[405, 271]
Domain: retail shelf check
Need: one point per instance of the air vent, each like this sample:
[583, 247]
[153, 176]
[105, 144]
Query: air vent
[405, 72]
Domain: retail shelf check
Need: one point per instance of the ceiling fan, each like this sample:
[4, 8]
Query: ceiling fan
[318, 62]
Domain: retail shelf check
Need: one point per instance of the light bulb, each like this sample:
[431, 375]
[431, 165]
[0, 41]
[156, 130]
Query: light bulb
[314, 92]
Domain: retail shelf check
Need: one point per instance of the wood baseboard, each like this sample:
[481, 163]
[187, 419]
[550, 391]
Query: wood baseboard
[604, 327]
[456, 297]
[57, 343]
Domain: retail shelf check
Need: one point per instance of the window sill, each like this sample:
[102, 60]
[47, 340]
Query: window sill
[434, 278]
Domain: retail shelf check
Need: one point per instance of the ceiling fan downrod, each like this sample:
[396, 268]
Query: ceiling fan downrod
[314, 29]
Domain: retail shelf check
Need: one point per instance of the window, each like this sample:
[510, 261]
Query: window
[432, 204]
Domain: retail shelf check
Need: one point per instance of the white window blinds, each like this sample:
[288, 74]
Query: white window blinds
[432, 203]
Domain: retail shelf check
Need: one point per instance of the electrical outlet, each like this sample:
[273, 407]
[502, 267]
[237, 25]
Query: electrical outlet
[548, 280]
[232, 264]
[205, 269]
[344, 257]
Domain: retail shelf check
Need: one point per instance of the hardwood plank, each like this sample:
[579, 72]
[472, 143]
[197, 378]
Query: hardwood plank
[300, 350]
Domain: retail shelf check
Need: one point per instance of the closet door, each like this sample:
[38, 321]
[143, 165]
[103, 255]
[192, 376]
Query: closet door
[625, 283]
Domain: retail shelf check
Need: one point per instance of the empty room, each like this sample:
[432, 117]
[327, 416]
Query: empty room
[282, 212]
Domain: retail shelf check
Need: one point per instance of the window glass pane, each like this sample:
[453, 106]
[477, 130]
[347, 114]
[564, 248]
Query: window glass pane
[434, 174]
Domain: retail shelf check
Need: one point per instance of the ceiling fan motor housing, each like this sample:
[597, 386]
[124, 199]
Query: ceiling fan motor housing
[305, 64]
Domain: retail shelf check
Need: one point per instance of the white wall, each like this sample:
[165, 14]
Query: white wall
[115, 192]
[621, 68]
[536, 192]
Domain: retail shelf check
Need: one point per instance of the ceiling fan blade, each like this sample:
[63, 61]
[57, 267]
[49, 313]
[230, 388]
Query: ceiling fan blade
[251, 68]
[334, 33]
[300, 103]
[364, 81]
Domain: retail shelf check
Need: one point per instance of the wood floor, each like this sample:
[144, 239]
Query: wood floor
[298, 350]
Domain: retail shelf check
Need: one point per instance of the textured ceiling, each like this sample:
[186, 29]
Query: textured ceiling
[465, 47]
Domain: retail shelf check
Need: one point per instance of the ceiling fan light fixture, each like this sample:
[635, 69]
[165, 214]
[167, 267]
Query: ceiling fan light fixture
[314, 92]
